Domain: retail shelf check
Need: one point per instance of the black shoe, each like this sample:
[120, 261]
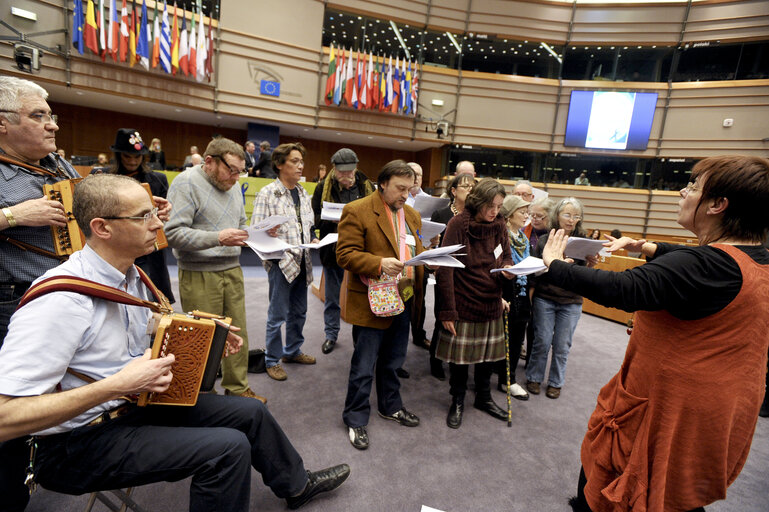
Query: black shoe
[487, 405]
[422, 343]
[454, 419]
[328, 346]
[320, 481]
[403, 374]
[358, 437]
[436, 369]
[403, 417]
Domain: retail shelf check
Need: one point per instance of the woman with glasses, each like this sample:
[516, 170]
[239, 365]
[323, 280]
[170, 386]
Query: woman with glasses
[131, 160]
[672, 429]
[540, 211]
[471, 306]
[458, 189]
[555, 311]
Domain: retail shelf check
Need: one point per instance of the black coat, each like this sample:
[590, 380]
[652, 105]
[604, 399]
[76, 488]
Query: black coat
[264, 166]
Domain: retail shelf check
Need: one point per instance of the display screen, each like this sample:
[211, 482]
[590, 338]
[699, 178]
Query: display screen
[610, 119]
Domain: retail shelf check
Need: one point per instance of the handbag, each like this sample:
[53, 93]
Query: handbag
[383, 296]
[256, 362]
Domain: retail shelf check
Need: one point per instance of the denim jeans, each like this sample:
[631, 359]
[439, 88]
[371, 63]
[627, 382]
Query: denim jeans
[554, 326]
[288, 305]
[377, 352]
[333, 278]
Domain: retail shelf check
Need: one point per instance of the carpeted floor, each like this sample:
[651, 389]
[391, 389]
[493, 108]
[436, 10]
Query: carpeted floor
[484, 465]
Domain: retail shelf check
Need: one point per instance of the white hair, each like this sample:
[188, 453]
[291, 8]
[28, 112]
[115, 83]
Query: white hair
[12, 90]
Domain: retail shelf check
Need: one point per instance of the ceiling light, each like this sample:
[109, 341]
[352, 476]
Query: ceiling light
[21, 13]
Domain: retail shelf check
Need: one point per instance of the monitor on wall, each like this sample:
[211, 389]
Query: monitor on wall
[610, 119]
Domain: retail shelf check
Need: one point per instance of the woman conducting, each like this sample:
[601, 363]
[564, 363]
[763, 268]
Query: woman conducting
[471, 306]
[555, 311]
[672, 429]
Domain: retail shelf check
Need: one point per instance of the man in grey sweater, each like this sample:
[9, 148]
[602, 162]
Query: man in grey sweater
[206, 231]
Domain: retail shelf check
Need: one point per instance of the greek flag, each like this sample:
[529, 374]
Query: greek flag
[165, 41]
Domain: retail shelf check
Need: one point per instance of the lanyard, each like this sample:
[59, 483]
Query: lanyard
[400, 233]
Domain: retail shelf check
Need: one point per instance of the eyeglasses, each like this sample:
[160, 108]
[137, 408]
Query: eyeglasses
[40, 117]
[468, 186]
[233, 172]
[569, 216]
[147, 217]
[538, 216]
[692, 187]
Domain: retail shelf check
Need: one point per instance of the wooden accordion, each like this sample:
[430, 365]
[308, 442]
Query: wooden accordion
[197, 341]
[70, 238]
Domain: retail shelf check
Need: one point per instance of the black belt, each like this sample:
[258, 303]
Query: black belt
[21, 286]
[111, 414]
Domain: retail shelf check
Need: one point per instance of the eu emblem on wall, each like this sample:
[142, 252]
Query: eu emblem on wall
[269, 88]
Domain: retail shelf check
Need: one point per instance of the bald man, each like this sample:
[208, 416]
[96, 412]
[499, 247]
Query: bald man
[465, 166]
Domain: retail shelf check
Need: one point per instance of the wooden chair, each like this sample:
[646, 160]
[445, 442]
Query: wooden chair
[125, 502]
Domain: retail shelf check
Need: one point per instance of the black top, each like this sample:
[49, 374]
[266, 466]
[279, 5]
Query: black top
[157, 161]
[688, 282]
[264, 166]
[547, 288]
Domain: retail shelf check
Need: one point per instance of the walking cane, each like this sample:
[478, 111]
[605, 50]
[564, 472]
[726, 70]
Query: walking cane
[507, 364]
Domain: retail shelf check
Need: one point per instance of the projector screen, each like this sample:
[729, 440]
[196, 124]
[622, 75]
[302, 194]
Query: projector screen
[610, 119]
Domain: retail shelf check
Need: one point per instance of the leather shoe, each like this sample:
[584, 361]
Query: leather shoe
[358, 437]
[516, 391]
[436, 369]
[552, 392]
[324, 480]
[487, 405]
[422, 344]
[403, 374]
[454, 419]
[248, 393]
[533, 387]
[403, 417]
[328, 346]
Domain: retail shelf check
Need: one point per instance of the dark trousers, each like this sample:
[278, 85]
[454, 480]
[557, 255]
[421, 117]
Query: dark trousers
[481, 376]
[517, 320]
[221, 439]
[418, 333]
[579, 504]
[377, 352]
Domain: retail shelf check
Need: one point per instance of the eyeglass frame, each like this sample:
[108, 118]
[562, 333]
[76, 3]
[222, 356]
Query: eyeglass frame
[538, 216]
[568, 216]
[147, 217]
[38, 116]
[692, 186]
[229, 168]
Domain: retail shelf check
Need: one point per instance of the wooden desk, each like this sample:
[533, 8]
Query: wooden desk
[615, 264]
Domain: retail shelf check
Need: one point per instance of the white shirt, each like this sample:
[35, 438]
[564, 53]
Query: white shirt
[93, 336]
[410, 199]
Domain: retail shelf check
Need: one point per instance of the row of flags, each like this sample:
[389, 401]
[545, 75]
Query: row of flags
[132, 38]
[372, 85]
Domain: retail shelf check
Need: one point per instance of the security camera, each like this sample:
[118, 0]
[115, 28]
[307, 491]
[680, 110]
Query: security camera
[27, 57]
[442, 128]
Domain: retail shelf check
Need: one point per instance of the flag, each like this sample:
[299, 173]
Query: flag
[395, 103]
[144, 41]
[165, 41]
[382, 86]
[338, 77]
[193, 57]
[201, 53]
[404, 86]
[355, 82]
[330, 81]
[91, 37]
[368, 83]
[175, 43]
[123, 51]
[374, 103]
[132, 36]
[155, 37]
[114, 30]
[210, 52]
[102, 31]
[349, 76]
[414, 92]
[390, 91]
[184, 47]
[78, 20]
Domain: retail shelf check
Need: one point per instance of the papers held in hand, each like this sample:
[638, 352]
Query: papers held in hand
[580, 248]
[272, 248]
[426, 205]
[529, 265]
[331, 211]
[430, 230]
[269, 223]
[439, 257]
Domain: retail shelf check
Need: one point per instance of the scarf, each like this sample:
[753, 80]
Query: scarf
[329, 182]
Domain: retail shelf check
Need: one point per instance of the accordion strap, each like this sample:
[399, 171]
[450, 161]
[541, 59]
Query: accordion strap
[30, 167]
[29, 247]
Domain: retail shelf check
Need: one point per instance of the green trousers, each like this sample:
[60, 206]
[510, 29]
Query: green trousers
[221, 293]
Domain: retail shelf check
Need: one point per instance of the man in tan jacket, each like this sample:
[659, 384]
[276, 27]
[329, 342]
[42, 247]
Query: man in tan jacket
[377, 234]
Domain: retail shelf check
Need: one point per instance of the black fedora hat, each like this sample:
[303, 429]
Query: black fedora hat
[129, 141]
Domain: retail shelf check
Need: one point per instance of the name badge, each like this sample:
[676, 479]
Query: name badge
[410, 240]
[497, 251]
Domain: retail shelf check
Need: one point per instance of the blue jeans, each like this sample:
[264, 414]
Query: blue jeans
[288, 304]
[333, 278]
[554, 326]
[380, 351]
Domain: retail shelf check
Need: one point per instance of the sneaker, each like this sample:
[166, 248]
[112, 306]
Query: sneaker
[277, 372]
[533, 387]
[552, 392]
[247, 394]
[403, 417]
[358, 437]
[324, 480]
[516, 391]
[299, 359]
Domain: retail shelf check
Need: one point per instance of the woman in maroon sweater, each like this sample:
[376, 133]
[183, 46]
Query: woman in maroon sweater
[471, 307]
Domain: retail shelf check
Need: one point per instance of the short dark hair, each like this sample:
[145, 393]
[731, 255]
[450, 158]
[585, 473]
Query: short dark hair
[280, 154]
[98, 195]
[394, 168]
[483, 193]
[744, 182]
[457, 181]
[221, 146]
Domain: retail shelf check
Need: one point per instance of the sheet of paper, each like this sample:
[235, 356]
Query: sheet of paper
[432, 254]
[425, 508]
[580, 248]
[529, 265]
[441, 261]
[426, 205]
[430, 230]
[331, 211]
[269, 223]
[329, 239]
[263, 243]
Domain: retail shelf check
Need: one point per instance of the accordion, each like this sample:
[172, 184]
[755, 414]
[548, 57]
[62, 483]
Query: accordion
[70, 238]
[197, 341]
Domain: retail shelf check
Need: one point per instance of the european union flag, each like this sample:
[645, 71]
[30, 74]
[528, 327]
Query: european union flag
[269, 88]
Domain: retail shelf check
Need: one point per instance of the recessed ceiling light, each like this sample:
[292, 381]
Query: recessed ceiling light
[218, 117]
[178, 109]
[400, 142]
[339, 133]
[132, 102]
[307, 129]
[79, 93]
[370, 137]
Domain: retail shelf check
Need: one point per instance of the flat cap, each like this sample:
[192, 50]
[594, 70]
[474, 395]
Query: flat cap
[345, 160]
